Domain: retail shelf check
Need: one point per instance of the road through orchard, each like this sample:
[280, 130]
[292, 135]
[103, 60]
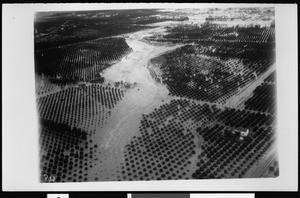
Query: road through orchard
[142, 99]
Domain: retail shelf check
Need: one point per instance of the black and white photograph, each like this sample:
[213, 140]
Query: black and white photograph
[170, 93]
[156, 94]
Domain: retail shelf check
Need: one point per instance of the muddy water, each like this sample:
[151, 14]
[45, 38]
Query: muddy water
[125, 117]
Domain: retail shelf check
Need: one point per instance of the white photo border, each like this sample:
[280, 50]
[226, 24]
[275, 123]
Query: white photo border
[20, 163]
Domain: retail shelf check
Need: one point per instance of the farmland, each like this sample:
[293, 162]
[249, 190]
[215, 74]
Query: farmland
[126, 95]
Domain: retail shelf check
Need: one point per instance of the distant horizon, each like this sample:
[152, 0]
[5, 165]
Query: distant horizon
[159, 8]
[64, 7]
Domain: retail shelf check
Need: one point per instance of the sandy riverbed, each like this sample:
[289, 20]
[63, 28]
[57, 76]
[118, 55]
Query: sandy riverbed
[142, 99]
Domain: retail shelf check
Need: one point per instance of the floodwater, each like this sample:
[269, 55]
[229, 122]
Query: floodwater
[142, 99]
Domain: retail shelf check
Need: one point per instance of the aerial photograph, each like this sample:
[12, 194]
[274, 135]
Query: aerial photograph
[156, 94]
